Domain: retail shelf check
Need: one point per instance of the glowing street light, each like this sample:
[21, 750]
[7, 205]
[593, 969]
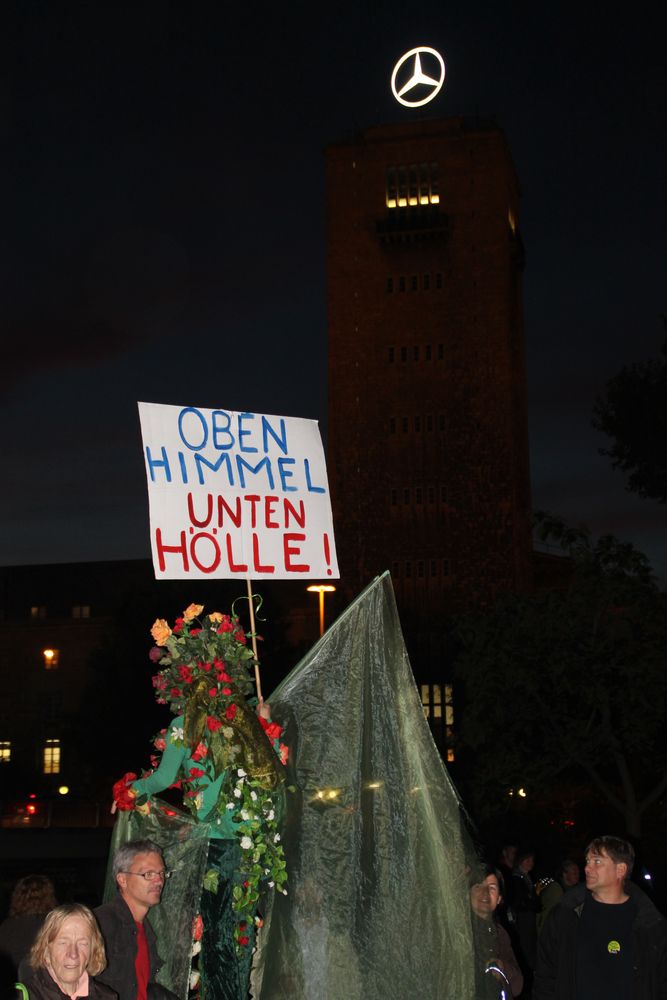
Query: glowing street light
[321, 589]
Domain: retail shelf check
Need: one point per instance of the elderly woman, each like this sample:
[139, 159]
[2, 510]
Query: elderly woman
[66, 955]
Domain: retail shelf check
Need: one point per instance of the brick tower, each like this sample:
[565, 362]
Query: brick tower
[428, 443]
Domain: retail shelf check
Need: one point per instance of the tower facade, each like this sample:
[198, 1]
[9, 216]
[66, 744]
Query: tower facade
[427, 438]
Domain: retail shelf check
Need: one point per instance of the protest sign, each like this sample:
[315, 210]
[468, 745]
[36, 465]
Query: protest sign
[236, 495]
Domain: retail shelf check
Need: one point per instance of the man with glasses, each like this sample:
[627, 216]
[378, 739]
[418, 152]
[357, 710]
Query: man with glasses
[132, 959]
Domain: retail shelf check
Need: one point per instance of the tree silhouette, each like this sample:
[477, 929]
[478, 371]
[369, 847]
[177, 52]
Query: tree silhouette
[573, 681]
[633, 412]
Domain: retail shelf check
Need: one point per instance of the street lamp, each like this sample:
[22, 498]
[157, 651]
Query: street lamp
[321, 589]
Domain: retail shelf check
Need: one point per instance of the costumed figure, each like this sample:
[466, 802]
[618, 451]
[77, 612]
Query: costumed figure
[226, 758]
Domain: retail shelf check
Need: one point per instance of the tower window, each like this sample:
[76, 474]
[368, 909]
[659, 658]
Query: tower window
[438, 280]
[427, 352]
[5, 751]
[415, 283]
[441, 351]
[401, 283]
[391, 355]
[415, 352]
[390, 284]
[418, 424]
[81, 611]
[426, 282]
[392, 425]
[406, 496]
[404, 354]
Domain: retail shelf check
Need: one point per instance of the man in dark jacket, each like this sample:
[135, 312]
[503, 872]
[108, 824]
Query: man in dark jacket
[129, 939]
[605, 939]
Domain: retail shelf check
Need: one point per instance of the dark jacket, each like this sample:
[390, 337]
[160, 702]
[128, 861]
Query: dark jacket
[555, 973]
[120, 941]
[41, 986]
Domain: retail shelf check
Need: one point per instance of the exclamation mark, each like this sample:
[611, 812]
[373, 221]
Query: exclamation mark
[327, 553]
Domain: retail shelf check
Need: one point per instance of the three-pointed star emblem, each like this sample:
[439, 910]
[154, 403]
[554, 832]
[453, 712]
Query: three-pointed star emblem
[421, 85]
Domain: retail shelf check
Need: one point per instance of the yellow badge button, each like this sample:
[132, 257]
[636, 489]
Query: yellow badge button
[613, 947]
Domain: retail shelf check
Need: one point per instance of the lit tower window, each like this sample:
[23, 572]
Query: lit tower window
[51, 757]
[5, 751]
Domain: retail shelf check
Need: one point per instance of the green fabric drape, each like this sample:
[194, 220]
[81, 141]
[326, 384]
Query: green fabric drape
[378, 855]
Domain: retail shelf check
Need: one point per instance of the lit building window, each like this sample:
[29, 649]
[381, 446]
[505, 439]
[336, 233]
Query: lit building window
[51, 658]
[81, 611]
[5, 751]
[51, 757]
[38, 611]
[511, 218]
[438, 706]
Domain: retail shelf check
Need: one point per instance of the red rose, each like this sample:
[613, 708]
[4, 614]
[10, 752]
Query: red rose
[186, 674]
[195, 631]
[213, 724]
[240, 637]
[226, 690]
[205, 667]
[123, 795]
[200, 752]
[243, 941]
[178, 625]
[225, 626]
[175, 693]
[212, 692]
[230, 712]
[196, 772]
[197, 928]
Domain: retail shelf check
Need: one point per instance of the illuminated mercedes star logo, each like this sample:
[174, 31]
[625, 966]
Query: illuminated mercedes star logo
[419, 87]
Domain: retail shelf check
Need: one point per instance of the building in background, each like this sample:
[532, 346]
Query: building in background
[427, 426]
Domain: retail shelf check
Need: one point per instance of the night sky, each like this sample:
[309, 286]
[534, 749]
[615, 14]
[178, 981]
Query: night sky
[163, 229]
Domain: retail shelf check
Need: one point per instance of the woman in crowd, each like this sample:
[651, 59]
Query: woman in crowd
[492, 943]
[67, 954]
[32, 898]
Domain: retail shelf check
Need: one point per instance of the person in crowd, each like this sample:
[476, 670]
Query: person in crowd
[132, 958]
[67, 956]
[32, 898]
[492, 942]
[605, 938]
[524, 906]
[550, 891]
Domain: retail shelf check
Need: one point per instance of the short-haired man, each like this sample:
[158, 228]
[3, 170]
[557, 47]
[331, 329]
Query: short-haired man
[605, 939]
[132, 958]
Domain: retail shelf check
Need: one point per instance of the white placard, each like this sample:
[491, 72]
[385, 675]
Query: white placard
[236, 495]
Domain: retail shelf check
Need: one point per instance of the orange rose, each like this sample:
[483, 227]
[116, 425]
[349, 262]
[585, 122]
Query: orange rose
[216, 616]
[160, 632]
[192, 611]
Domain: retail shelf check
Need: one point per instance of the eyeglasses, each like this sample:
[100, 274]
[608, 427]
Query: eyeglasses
[151, 876]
